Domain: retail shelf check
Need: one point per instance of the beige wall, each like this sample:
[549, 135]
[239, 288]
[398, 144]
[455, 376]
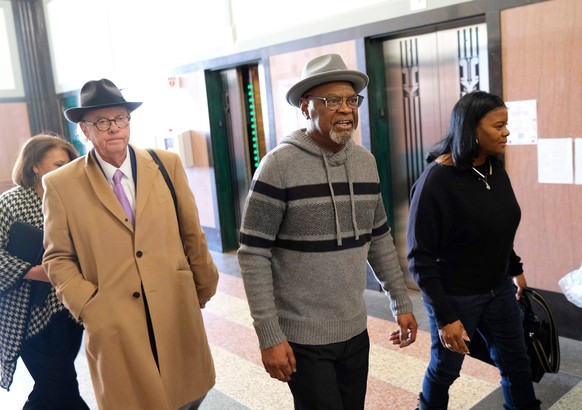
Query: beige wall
[193, 107]
[542, 60]
[14, 131]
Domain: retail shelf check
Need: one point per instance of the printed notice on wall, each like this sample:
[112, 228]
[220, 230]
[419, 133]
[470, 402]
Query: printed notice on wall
[522, 122]
[578, 161]
[555, 161]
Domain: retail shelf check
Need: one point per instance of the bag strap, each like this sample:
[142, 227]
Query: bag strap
[166, 177]
[170, 186]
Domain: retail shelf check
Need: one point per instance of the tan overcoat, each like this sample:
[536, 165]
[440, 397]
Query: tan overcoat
[100, 265]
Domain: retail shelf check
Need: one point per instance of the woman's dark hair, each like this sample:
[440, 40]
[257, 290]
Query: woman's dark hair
[32, 152]
[460, 140]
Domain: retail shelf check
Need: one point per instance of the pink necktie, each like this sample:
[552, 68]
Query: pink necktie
[120, 194]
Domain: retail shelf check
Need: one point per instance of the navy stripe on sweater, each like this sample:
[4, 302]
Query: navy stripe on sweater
[268, 190]
[314, 191]
[312, 246]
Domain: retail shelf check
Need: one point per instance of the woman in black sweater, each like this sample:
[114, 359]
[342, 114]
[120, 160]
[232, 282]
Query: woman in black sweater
[463, 219]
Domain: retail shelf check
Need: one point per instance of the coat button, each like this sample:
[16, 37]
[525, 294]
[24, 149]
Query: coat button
[139, 254]
[136, 295]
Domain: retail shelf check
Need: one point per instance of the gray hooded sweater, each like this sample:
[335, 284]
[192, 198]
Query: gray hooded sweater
[311, 222]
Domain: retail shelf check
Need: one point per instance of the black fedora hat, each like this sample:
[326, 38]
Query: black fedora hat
[98, 94]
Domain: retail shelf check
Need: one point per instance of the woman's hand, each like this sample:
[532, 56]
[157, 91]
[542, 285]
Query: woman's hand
[453, 337]
[521, 284]
[37, 273]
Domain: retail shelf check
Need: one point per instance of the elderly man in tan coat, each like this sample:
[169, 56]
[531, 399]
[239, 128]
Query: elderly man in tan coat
[137, 276]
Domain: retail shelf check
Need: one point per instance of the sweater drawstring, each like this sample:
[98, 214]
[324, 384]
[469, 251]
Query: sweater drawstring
[352, 201]
[337, 222]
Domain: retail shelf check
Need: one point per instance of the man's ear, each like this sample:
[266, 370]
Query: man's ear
[84, 129]
[304, 106]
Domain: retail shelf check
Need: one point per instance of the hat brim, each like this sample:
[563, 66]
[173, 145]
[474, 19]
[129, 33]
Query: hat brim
[358, 79]
[76, 114]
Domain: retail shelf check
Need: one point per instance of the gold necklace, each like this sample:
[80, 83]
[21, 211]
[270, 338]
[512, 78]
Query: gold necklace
[484, 177]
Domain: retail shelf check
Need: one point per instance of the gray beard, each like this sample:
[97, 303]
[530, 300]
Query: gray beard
[342, 138]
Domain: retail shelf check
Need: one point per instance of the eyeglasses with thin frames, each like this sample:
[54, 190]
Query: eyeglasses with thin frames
[104, 124]
[334, 103]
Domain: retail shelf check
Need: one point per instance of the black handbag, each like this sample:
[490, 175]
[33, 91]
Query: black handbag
[540, 332]
[25, 243]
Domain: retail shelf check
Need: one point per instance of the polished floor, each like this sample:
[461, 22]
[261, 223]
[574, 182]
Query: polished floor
[395, 374]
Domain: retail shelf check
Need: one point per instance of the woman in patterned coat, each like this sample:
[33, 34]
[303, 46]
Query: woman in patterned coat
[34, 325]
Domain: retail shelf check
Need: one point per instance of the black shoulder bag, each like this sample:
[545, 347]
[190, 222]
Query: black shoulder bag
[540, 332]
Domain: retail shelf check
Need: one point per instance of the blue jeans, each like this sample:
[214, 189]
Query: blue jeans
[497, 317]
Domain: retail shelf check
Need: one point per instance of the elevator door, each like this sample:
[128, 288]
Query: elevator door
[242, 104]
[425, 76]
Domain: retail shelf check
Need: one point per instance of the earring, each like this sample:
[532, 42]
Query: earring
[476, 141]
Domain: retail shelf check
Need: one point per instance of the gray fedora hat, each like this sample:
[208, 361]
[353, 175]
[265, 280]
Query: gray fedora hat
[98, 94]
[325, 69]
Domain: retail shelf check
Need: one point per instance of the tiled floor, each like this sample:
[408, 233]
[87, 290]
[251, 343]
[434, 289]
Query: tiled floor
[395, 374]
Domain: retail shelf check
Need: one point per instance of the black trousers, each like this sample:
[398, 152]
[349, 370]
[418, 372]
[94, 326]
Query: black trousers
[331, 377]
[50, 359]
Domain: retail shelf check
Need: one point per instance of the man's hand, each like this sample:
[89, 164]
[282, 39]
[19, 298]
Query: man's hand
[279, 361]
[202, 302]
[406, 332]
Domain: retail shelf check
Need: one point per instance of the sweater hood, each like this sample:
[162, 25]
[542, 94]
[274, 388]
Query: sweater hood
[301, 140]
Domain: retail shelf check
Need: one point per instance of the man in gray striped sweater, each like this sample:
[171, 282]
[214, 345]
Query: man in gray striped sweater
[313, 219]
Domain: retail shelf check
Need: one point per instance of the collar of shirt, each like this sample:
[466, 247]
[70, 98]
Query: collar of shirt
[109, 169]
[127, 181]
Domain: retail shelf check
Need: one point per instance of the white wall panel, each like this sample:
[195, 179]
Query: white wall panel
[10, 75]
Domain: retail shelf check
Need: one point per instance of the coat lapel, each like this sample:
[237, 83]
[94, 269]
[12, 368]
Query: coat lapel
[146, 173]
[103, 191]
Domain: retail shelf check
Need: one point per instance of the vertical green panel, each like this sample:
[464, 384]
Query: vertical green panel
[219, 140]
[70, 128]
[379, 138]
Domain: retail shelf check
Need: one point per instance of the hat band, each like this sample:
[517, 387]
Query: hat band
[108, 100]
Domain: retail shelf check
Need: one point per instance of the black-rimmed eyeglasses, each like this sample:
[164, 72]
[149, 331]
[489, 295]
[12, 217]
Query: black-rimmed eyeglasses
[334, 103]
[104, 124]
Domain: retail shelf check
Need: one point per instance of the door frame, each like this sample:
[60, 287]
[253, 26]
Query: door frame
[221, 161]
[378, 113]
[223, 151]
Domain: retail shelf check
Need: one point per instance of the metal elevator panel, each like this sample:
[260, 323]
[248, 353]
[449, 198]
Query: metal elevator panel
[239, 157]
[244, 122]
[426, 75]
